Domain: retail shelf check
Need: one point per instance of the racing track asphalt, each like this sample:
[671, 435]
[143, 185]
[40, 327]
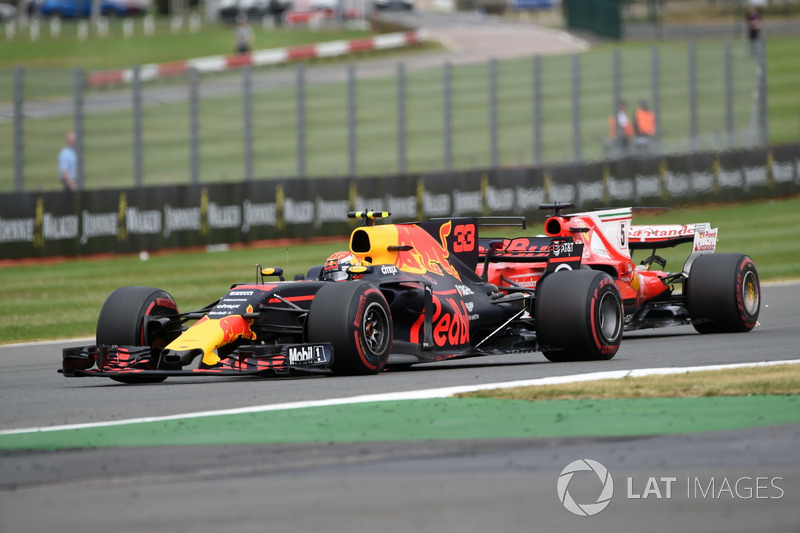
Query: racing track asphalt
[465, 486]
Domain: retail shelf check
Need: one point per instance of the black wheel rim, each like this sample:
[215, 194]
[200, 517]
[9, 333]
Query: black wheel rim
[375, 329]
[610, 316]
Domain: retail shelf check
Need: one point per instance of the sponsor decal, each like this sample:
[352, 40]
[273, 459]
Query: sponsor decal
[265, 214]
[450, 323]
[463, 290]
[224, 216]
[499, 199]
[705, 240]
[16, 229]
[402, 206]
[234, 327]
[166, 302]
[330, 211]
[94, 225]
[298, 211]
[180, 219]
[143, 221]
[666, 231]
[427, 255]
[309, 354]
[436, 204]
[467, 202]
[389, 270]
[559, 247]
[528, 199]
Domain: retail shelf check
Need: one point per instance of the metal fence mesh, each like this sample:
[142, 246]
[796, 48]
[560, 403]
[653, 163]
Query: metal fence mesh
[339, 120]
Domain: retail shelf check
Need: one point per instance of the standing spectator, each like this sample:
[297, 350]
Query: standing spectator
[68, 164]
[620, 128]
[243, 36]
[644, 126]
[754, 27]
[276, 8]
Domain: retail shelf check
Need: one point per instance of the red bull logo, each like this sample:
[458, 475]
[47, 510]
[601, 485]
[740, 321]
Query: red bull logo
[209, 334]
[427, 255]
[450, 323]
[234, 327]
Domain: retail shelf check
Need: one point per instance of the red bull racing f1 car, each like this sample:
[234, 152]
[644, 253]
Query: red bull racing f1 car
[715, 293]
[408, 293]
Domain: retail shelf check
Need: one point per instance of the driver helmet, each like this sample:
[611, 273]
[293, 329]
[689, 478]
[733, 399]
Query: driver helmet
[336, 266]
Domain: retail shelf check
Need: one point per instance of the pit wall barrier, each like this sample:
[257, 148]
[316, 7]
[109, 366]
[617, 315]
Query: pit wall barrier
[119, 221]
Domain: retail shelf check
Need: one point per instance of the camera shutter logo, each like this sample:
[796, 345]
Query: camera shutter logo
[587, 509]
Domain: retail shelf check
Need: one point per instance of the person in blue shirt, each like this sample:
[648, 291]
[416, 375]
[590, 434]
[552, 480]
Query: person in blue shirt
[68, 164]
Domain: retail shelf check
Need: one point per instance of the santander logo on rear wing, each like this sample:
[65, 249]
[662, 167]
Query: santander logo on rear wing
[668, 235]
[702, 236]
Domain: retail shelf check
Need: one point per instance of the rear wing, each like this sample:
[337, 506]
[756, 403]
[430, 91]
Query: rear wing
[552, 253]
[702, 236]
[666, 235]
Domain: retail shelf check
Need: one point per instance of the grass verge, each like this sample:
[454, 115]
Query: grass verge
[769, 380]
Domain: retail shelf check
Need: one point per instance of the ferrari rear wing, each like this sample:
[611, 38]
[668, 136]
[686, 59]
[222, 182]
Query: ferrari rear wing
[664, 235]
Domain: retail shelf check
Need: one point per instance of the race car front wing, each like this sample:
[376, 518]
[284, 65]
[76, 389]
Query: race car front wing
[132, 361]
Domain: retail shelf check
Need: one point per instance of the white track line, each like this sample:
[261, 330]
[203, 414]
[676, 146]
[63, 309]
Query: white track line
[407, 395]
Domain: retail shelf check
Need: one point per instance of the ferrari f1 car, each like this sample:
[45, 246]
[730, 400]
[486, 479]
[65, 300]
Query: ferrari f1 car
[410, 295]
[715, 293]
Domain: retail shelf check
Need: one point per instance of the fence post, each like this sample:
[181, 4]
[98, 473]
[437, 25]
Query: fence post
[19, 131]
[692, 97]
[576, 106]
[401, 118]
[352, 121]
[447, 117]
[194, 128]
[617, 73]
[247, 120]
[300, 89]
[537, 110]
[136, 111]
[728, 94]
[762, 103]
[655, 60]
[78, 120]
[493, 122]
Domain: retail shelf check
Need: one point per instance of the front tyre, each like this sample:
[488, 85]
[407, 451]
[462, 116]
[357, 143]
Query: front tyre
[124, 317]
[354, 317]
[723, 293]
[578, 316]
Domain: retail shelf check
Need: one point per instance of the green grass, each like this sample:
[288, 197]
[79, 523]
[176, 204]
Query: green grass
[116, 51]
[61, 300]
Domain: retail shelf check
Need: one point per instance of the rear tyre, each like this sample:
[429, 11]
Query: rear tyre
[354, 317]
[723, 293]
[578, 316]
[122, 321]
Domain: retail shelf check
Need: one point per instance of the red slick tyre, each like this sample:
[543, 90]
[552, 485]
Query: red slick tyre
[578, 316]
